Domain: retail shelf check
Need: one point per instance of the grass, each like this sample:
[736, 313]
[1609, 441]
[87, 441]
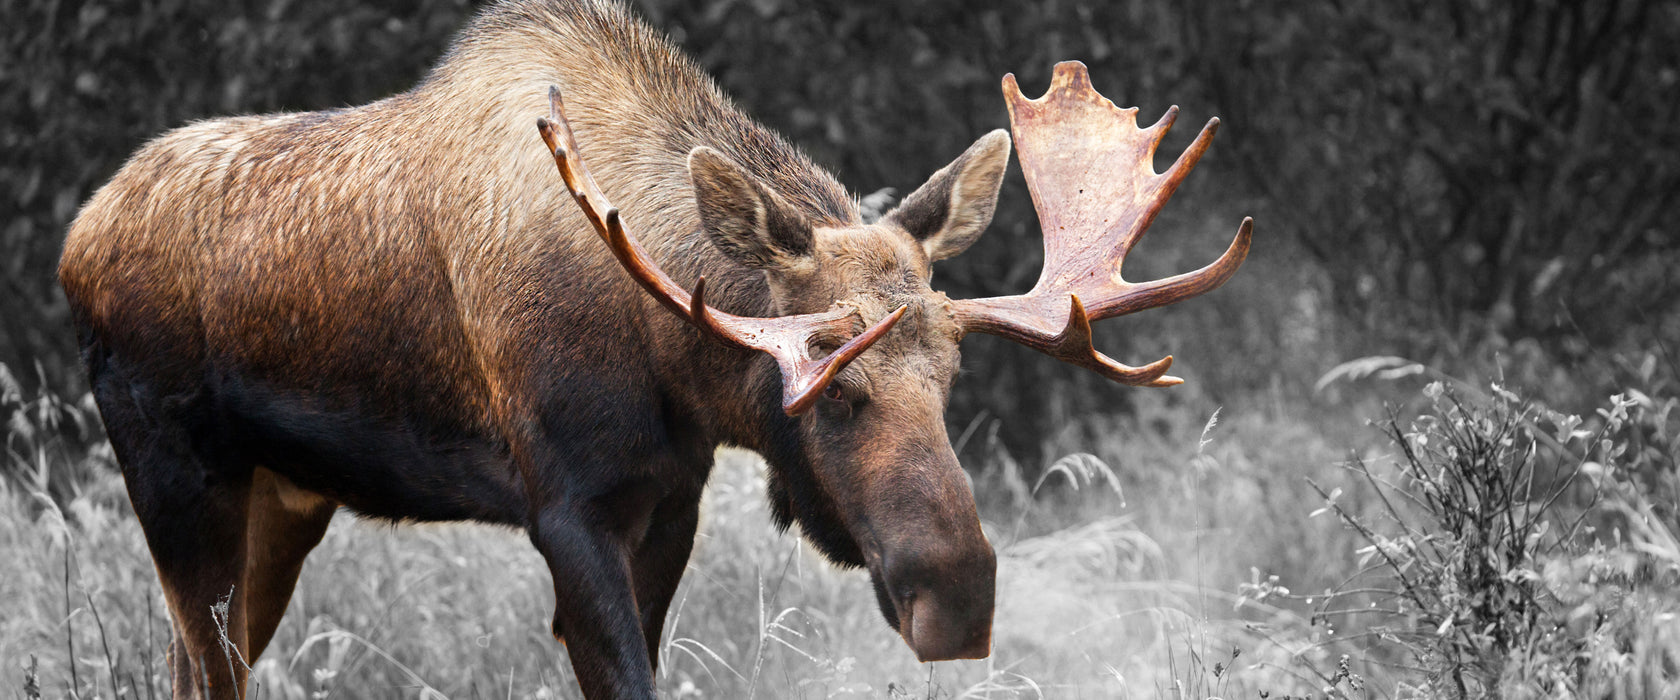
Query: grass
[462, 610]
[1176, 552]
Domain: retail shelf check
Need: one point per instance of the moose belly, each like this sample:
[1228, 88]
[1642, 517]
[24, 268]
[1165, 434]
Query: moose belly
[377, 461]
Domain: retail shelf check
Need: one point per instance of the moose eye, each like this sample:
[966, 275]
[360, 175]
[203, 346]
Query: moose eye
[834, 405]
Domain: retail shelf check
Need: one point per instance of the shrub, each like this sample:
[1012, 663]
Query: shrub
[1516, 551]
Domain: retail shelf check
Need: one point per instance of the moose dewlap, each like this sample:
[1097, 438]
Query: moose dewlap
[403, 309]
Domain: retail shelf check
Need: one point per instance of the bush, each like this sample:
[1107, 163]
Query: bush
[1514, 551]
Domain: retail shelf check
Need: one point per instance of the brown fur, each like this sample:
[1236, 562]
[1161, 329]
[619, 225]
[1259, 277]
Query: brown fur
[397, 308]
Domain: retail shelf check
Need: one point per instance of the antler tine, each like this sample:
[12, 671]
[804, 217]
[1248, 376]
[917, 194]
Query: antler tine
[1163, 125]
[1157, 132]
[1074, 345]
[1166, 184]
[606, 219]
[805, 379]
[1169, 290]
[1091, 173]
[697, 308]
[557, 134]
[1188, 159]
[786, 338]
[636, 261]
[797, 397]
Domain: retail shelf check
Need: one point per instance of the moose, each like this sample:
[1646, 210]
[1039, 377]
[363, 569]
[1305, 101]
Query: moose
[395, 309]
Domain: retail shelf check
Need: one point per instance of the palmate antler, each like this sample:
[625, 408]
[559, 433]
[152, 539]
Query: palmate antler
[1089, 169]
[786, 338]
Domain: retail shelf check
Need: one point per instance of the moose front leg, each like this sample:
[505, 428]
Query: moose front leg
[660, 561]
[595, 611]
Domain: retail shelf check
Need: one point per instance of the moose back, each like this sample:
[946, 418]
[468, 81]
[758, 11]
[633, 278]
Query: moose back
[415, 310]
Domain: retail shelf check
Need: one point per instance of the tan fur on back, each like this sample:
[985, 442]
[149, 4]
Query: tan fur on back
[433, 217]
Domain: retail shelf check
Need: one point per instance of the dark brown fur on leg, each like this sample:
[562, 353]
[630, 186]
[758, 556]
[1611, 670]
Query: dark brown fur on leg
[201, 567]
[659, 563]
[192, 508]
[284, 524]
[595, 613]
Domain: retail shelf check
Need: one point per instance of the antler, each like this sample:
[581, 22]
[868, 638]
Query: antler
[786, 338]
[1088, 167]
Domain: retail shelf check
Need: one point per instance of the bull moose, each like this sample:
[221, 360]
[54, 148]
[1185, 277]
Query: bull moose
[399, 309]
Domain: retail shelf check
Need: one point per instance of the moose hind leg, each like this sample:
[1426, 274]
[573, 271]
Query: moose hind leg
[193, 513]
[284, 524]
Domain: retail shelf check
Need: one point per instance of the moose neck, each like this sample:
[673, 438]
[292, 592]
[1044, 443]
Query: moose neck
[639, 108]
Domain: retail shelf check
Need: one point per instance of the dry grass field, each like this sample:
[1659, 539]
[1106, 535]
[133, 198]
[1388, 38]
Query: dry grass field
[1185, 555]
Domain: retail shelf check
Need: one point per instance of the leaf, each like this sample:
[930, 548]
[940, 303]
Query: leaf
[1566, 425]
[10, 391]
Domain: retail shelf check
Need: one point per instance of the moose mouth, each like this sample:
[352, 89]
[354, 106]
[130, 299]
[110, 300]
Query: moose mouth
[943, 618]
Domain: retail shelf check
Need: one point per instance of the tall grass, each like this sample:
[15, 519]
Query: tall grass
[1165, 553]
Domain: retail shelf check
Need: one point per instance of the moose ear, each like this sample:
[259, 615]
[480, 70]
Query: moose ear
[744, 219]
[948, 212]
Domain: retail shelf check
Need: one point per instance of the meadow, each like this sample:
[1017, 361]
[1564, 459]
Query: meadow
[1488, 547]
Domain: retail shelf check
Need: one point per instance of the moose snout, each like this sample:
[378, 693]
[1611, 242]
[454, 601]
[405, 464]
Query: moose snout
[944, 602]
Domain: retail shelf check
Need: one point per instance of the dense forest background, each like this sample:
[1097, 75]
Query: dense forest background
[1447, 181]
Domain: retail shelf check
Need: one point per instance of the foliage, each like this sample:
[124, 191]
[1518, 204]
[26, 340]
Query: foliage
[1520, 552]
[52, 446]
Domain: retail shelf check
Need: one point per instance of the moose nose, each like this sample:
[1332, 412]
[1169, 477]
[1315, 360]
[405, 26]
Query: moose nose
[945, 605]
[941, 632]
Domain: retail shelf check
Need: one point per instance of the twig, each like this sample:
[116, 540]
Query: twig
[110, 665]
[222, 614]
[150, 694]
[763, 627]
[69, 623]
[1399, 571]
[427, 692]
